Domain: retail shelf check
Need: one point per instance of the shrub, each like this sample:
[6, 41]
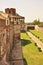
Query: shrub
[40, 39]
[39, 49]
[37, 37]
[35, 44]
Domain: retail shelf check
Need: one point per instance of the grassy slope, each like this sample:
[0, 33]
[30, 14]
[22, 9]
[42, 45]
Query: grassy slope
[38, 34]
[31, 52]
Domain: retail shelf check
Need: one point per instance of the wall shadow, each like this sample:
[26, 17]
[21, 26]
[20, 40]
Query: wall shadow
[25, 62]
[23, 31]
[25, 42]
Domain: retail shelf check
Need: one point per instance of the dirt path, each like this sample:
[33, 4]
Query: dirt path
[39, 43]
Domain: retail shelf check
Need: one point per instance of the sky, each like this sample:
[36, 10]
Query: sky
[30, 9]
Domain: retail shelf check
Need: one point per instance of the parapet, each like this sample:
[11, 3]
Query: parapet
[10, 11]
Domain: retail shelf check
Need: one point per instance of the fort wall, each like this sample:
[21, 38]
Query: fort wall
[2, 43]
[10, 43]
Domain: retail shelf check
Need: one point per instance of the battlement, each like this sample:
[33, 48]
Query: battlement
[10, 11]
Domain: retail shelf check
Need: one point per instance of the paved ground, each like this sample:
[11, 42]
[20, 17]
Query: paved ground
[39, 43]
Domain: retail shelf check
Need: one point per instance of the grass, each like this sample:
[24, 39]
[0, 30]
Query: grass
[37, 34]
[30, 51]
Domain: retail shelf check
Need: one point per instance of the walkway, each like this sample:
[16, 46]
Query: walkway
[39, 43]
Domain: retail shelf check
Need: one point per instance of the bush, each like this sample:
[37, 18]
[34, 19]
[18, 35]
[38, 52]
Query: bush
[39, 49]
[35, 44]
[35, 35]
[38, 37]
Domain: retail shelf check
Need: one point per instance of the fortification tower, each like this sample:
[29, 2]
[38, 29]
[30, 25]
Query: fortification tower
[14, 24]
[15, 50]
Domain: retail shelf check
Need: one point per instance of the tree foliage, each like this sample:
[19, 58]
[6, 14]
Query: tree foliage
[36, 22]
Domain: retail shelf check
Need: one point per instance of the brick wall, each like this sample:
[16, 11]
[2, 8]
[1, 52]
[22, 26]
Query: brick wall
[9, 40]
[2, 23]
[2, 43]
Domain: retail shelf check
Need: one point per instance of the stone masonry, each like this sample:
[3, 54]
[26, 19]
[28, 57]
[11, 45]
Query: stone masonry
[10, 43]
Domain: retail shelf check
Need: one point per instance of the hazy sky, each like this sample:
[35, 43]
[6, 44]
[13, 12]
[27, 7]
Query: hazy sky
[30, 9]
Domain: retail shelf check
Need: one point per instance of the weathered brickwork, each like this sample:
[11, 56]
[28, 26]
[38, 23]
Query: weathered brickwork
[10, 43]
[2, 43]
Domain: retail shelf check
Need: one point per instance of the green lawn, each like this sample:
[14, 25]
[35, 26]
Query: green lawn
[37, 34]
[30, 51]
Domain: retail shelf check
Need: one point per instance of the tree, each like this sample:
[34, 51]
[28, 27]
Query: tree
[36, 22]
